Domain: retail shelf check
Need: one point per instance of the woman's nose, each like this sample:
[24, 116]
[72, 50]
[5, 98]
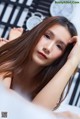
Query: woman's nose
[48, 48]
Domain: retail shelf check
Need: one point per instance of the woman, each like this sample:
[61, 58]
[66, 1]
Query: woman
[40, 62]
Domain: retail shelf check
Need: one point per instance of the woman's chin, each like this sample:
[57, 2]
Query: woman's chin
[39, 61]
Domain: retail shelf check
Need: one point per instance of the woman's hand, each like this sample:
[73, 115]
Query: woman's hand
[15, 33]
[74, 55]
[3, 41]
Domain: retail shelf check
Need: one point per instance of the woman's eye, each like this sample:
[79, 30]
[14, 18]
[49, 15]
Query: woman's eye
[47, 36]
[59, 46]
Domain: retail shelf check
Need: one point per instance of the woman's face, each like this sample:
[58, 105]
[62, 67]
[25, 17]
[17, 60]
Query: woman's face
[51, 45]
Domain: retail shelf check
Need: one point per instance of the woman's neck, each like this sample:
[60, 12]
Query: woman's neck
[25, 80]
[26, 76]
[31, 70]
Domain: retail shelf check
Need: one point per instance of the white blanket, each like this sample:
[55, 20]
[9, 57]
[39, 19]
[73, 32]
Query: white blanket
[18, 108]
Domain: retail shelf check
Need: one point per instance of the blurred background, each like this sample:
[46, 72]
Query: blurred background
[28, 13]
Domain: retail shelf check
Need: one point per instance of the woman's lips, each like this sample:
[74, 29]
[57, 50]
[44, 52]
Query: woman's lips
[42, 55]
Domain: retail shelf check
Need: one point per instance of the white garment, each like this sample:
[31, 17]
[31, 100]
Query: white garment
[70, 108]
[18, 108]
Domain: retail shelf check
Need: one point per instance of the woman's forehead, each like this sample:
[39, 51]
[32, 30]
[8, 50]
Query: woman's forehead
[60, 32]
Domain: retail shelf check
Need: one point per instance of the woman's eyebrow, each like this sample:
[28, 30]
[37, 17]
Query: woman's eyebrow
[63, 44]
[52, 34]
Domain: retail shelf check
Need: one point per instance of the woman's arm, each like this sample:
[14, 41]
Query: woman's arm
[50, 94]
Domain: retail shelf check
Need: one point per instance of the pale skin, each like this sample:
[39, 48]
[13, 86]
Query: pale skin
[66, 71]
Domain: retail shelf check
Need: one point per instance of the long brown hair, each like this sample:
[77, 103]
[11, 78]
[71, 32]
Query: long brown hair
[15, 54]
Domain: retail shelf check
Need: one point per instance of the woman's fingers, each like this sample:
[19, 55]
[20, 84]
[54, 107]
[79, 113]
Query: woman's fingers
[75, 52]
[15, 33]
[3, 41]
[75, 39]
[20, 29]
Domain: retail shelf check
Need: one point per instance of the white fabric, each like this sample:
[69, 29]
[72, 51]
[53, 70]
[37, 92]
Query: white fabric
[17, 108]
[70, 108]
